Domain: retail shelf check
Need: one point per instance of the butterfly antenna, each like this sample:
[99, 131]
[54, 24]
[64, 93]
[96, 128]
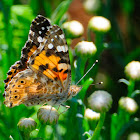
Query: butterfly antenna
[87, 72]
[100, 83]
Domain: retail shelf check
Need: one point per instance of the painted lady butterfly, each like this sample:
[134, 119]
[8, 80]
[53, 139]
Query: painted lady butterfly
[43, 73]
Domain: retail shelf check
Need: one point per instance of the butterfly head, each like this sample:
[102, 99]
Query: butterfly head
[74, 90]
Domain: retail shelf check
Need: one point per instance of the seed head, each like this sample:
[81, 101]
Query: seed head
[73, 29]
[132, 70]
[99, 24]
[47, 115]
[100, 101]
[128, 104]
[27, 125]
[85, 49]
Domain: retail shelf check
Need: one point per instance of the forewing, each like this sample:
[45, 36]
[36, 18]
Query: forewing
[52, 57]
[29, 48]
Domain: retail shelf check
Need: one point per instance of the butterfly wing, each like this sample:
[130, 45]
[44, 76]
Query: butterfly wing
[46, 67]
[29, 48]
[31, 88]
[52, 57]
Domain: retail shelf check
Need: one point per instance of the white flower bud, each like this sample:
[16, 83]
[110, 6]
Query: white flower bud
[100, 101]
[99, 24]
[92, 6]
[47, 115]
[133, 136]
[91, 115]
[73, 29]
[27, 125]
[85, 48]
[128, 104]
[132, 70]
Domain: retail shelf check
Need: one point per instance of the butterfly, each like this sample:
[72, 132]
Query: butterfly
[43, 73]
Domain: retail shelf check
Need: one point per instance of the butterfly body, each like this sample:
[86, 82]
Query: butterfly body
[43, 74]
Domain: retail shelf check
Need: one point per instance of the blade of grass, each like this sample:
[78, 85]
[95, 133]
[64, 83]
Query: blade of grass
[60, 11]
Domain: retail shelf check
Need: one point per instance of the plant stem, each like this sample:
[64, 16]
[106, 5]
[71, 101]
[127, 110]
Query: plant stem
[41, 132]
[131, 87]
[99, 127]
[82, 66]
[99, 43]
[25, 135]
[88, 34]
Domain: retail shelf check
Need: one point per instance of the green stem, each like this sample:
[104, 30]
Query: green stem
[99, 127]
[114, 126]
[82, 65]
[88, 34]
[81, 62]
[24, 135]
[85, 87]
[131, 87]
[41, 132]
[99, 43]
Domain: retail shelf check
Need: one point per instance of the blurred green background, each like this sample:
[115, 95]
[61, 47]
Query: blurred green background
[120, 46]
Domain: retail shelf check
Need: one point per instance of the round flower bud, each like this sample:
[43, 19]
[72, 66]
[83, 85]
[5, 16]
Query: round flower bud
[132, 70]
[27, 125]
[73, 29]
[91, 115]
[99, 24]
[100, 101]
[133, 136]
[128, 104]
[92, 6]
[85, 49]
[47, 115]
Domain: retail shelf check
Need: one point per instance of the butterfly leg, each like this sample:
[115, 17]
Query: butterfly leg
[58, 107]
[66, 106]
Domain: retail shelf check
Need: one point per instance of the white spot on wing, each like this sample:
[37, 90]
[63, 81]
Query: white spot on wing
[63, 48]
[43, 28]
[66, 48]
[52, 39]
[59, 49]
[61, 36]
[39, 39]
[55, 36]
[40, 32]
[31, 32]
[48, 27]
[50, 46]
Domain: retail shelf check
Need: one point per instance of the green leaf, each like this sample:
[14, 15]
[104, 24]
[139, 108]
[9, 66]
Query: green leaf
[86, 85]
[124, 81]
[60, 11]
[126, 127]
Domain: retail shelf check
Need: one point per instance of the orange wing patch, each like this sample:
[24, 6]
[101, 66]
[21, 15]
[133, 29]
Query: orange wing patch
[49, 66]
